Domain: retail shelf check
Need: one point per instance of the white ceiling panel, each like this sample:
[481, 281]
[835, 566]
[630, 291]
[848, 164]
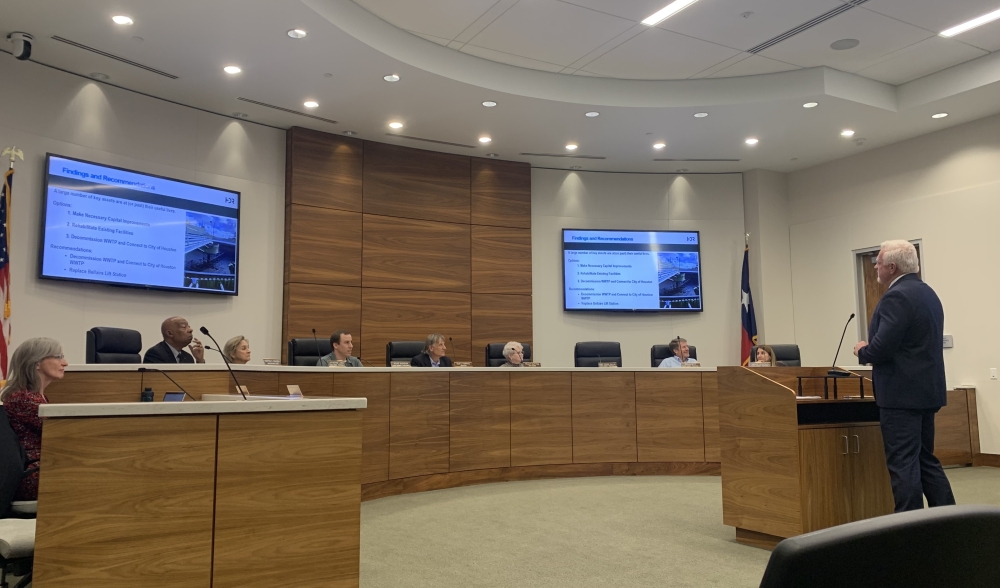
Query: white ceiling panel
[509, 59]
[985, 37]
[721, 65]
[439, 18]
[935, 15]
[438, 40]
[752, 66]
[658, 54]
[634, 10]
[879, 35]
[924, 58]
[550, 31]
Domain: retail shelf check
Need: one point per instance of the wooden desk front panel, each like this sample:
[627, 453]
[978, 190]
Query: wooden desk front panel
[541, 418]
[604, 416]
[418, 424]
[670, 424]
[710, 409]
[479, 421]
[952, 439]
[374, 419]
[147, 518]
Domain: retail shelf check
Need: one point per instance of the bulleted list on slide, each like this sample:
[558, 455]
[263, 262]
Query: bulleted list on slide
[611, 279]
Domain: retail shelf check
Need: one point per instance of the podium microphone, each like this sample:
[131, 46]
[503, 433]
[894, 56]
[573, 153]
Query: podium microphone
[835, 372]
[205, 332]
[143, 371]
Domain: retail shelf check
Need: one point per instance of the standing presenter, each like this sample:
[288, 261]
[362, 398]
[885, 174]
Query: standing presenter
[907, 358]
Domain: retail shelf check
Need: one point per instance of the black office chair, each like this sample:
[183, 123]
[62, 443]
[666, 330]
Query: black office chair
[590, 353]
[786, 354]
[307, 350]
[657, 353]
[402, 351]
[111, 345]
[494, 354]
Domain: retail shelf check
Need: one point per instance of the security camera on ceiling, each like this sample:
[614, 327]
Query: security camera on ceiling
[22, 45]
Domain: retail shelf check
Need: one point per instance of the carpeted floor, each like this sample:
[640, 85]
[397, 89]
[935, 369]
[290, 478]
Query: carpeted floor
[617, 531]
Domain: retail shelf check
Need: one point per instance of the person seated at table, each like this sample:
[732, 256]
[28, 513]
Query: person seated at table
[765, 354]
[514, 353]
[343, 344]
[237, 350]
[34, 365]
[177, 334]
[681, 354]
[433, 354]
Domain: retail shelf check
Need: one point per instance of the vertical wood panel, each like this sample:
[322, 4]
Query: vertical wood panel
[498, 318]
[401, 315]
[323, 246]
[604, 416]
[324, 308]
[405, 254]
[670, 425]
[501, 260]
[418, 424]
[541, 418]
[374, 419]
[710, 408]
[825, 470]
[501, 193]
[417, 184]
[323, 170]
[952, 442]
[480, 421]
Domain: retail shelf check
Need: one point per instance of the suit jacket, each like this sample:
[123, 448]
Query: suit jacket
[905, 347]
[161, 353]
[424, 360]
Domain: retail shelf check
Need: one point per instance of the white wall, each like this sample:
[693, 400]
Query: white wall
[943, 188]
[712, 204]
[44, 110]
[765, 208]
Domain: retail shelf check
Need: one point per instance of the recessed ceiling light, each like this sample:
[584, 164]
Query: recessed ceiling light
[700, 114]
[576, 167]
[310, 104]
[122, 20]
[489, 103]
[297, 33]
[391, 78]
[659, 145]
[751, 141]
[231, 69]
[484, 139]
[350, 133]
[810, 105]
[844, 44]
[492, 155]
[593, 113]
[968, 25]
[667, 11]
[395, 125]
[100, 76]
[939, 115]
[241, 115]
[847, 133]
[571, 146]
[682, 170]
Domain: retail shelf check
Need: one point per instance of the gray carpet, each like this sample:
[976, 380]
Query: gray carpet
[616, 531]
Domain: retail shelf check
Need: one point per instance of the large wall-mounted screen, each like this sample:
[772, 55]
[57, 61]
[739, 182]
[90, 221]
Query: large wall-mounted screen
[632, 270]
[116, 226]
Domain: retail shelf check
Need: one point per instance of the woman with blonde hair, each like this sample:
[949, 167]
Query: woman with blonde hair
[35, 364]
[237, 350]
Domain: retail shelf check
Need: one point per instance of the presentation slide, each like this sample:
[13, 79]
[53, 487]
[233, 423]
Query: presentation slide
[104, 224]
[632, 270]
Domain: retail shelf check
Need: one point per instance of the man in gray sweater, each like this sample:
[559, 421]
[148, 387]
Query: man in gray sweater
[343, 344]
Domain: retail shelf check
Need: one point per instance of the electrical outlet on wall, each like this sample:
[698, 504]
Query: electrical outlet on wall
[993, 373]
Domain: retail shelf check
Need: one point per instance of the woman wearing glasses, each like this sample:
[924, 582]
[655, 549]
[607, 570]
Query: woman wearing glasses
[35, 364]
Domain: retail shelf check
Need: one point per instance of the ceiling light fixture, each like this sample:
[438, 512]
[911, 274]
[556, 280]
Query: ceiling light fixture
[976, 22]
[751, 141]
[844, 44]
[576, 167]
[232, 69]
[241, 115]
[939, 115]
[350, 133]
[700, 114]
[666, 12]
[124, 20]
[593, 113]
[492, 155]
[391, 78]
[310, 104]
[297, 34]
[847, 133]
[100, 76]
[484, 140]
[659, 145]
[395, 125]
[489, 103]
[810, 105]
[571, 146]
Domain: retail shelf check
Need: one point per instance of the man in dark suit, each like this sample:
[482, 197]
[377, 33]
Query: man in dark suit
[433, 354]
[907, 358]
[177, 334]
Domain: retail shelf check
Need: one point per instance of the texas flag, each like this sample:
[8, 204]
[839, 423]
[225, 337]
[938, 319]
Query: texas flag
[749, 322]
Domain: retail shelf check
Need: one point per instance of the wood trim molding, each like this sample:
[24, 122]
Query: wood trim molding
[986, 459]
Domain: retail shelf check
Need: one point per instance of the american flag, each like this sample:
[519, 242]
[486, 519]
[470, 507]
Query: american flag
[8, 180]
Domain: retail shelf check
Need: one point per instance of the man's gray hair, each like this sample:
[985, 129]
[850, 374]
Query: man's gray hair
[901, 253]
[432, 340]
[675, 345]
[509, 348]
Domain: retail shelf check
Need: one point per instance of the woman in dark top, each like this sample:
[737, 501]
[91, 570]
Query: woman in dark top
[35, 364]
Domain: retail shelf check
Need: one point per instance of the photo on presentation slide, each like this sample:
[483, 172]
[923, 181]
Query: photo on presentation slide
[209, 252]
[677, 276]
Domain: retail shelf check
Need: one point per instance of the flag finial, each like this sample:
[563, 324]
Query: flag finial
[14, 152]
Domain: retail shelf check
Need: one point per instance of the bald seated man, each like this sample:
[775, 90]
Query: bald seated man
[177, 334]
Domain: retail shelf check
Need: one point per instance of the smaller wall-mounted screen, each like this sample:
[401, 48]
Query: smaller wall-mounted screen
[115, 226]
[632, 270]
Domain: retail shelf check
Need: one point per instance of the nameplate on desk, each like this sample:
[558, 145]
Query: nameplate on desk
[461, 363]
[531, 364]
[337, 363]
[759, 364]
[294, 390]
[607, 364]
[244, 389]
[401, 363]
[690, 364]
[272, 362]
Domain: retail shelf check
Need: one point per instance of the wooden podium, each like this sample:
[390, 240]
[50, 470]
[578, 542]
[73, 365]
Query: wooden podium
[800, 452]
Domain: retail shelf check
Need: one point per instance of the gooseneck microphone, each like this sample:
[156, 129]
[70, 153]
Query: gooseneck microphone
[143, 371]
[835, 372]
[225, 359]
[319, 352]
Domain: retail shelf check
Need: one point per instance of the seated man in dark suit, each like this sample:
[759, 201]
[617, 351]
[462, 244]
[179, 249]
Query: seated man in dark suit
[177, 334]
[433, 355]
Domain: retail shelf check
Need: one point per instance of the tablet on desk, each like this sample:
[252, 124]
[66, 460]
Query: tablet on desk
[173, 397]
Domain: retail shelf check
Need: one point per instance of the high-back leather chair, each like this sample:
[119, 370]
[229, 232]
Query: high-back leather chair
[494, 354]
[590, 353]
[402, 351]
[306, 351]
[657, 353]
[786, 354]
[112, 345]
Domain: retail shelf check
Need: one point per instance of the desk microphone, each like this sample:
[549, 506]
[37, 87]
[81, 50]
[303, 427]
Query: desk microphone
[835, 372]
[143, 371]
[319, 351]
[205, 332]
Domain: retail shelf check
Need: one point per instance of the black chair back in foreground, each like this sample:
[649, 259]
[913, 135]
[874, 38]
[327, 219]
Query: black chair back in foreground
[307, 350]
[657, 353]
[942, 547]
[113, 345]
[590, 353]
[402, 351]
[494, 354]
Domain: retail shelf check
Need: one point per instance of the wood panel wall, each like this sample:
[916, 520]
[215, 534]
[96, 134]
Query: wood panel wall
[393, 243]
